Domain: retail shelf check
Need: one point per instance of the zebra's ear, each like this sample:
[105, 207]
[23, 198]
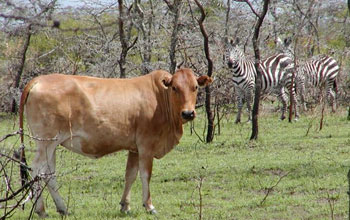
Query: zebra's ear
[234, 43]
[279, 41]
[287, 41]
[237, 41]
[231, 42]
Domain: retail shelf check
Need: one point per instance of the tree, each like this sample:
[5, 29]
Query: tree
[175, 9]
[144, 24]
[210, 116]
[22, 22]
[124, 37]
[255, 40]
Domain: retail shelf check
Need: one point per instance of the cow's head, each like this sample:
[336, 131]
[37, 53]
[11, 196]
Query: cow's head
[183, 87]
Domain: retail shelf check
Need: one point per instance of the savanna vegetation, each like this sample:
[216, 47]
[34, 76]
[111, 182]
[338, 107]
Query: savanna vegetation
[293, 170]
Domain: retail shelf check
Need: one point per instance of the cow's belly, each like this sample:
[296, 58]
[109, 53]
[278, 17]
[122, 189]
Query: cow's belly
[98, 146]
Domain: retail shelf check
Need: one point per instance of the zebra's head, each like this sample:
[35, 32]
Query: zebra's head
[285, 46]
[233, 53]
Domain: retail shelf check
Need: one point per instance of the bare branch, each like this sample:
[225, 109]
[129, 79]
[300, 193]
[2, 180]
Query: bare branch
[25, 186]
[270, 189]
[170, 6]
[250, 6]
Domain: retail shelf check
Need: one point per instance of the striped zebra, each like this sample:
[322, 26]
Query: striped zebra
[320, 71]
[276, 78]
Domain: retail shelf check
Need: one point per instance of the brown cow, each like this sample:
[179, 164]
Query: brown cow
[94, 117]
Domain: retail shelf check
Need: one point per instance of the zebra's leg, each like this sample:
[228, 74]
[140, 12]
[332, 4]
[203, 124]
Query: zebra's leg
[240, 106]
[296, 104]
[249, 97]
[284, 99]
[302, 96]
[331, 96]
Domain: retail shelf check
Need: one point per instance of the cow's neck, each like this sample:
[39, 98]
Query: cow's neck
[172, 129]
[174, 118]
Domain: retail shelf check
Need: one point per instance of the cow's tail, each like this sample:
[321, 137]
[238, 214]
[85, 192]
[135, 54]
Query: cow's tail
[21, 154]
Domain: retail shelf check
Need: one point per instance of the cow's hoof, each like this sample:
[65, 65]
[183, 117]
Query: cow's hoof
[124, 208]
[153, 211]
[63, 212]
[42, 214]
[125, 212]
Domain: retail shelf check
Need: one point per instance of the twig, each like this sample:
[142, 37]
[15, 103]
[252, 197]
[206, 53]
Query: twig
[322, 112]
[200, 184]
[250, 6]
[269, 190]
[193, 129]
[15, 160]
[308, 128]
[19, 203]
[331, 205]
[9, 135]
[30, 136]
[21, 189]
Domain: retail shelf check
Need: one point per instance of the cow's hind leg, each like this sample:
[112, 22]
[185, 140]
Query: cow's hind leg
[132, 168]
[44, 167]
[53, 188]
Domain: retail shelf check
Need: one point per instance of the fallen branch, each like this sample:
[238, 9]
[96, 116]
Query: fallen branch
[270, 189]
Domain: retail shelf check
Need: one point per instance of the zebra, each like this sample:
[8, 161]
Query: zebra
[276, 77]
[319, 71]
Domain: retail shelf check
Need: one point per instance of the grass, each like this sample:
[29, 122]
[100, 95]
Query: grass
[304, 171]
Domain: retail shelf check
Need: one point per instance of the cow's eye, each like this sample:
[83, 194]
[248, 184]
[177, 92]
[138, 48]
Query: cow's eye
[196, 87]
[174, 89]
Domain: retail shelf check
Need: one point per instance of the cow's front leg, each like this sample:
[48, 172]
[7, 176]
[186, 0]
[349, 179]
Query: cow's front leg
[145, 166]
[132, 168]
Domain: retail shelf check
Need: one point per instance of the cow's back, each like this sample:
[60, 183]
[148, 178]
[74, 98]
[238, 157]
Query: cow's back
[91, 116]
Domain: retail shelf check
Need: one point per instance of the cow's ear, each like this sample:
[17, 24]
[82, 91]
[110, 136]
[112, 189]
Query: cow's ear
[204, 81]
[166, 81]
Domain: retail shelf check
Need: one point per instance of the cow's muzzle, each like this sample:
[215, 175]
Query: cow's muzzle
[188, 115]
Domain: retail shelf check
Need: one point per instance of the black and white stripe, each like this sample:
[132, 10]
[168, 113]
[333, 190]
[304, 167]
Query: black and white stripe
[276, 77]
[319, 71]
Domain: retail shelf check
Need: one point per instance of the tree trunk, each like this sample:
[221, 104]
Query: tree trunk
[146, 55]
[122, 38]
[346, 27]
[227, 22]
[210, 115]
[22, 55]
[255, 113]
[175, 9]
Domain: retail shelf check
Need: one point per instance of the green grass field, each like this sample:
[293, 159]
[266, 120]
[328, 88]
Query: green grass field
[294, 171]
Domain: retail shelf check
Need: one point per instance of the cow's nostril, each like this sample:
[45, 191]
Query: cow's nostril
[187, 115]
